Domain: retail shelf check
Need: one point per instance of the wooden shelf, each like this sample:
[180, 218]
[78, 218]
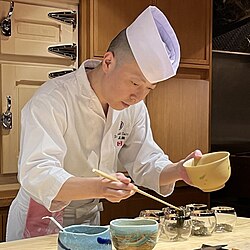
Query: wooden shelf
[194, 66]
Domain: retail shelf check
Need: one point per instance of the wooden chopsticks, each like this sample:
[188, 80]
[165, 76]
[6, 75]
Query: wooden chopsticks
[136, 189]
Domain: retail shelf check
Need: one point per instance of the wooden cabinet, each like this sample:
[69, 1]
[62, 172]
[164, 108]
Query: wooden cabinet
[26, 61]
[34, 32]
[20, 81]
[179, 113]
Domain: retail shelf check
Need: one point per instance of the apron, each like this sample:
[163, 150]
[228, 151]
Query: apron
[35, 225]
[78, 212]
[82, 212]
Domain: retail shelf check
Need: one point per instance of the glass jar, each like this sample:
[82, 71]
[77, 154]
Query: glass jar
[157, 215]
[226, 218]
[196, 206]
[203, 222]
[177, 224]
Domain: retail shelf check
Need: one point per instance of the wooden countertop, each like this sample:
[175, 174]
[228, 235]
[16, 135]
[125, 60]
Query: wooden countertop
[238, 239]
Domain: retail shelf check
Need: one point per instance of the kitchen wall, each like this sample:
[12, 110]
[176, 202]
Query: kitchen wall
[230, 99]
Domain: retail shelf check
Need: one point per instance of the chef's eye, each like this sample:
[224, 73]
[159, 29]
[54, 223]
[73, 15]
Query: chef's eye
[152, 88]
[134, 83]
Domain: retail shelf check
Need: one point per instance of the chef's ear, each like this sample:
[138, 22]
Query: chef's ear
[108, 61]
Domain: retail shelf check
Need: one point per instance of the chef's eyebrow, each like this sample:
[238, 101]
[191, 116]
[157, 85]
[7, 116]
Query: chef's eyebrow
[145, 81]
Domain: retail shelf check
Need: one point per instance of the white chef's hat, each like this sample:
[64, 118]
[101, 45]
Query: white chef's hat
[154, 45]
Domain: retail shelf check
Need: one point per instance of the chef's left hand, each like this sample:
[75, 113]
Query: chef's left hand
[176, 171]
[183, 174]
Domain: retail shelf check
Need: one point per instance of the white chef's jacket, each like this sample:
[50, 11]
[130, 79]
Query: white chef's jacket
[64, 133]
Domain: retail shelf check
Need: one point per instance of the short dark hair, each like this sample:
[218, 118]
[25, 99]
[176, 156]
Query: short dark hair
[120, 48]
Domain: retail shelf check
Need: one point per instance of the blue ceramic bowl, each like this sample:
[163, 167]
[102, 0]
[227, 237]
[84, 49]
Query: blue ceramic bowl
[84, 237]
[136, 233]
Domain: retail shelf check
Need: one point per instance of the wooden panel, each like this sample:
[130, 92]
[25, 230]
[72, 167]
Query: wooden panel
[108, 18]
[3, 223]
[7, 194]
[19, 82]
[191, 21]
[33, 32]
[7, 179]
[179, 112]
[1, 227]
[84, 24]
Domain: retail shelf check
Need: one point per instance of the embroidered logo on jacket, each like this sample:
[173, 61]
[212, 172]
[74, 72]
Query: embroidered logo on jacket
[121, 135]
[121, 125]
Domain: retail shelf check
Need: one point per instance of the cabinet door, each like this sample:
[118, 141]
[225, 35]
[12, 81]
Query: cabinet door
[191, 21]
[33, 32]
[108, 18]
[19, 82]
[179, 112]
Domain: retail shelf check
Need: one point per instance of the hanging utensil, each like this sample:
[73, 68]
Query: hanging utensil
[6, 22]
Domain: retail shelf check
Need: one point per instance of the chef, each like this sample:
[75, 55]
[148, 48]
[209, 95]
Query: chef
[95, 117]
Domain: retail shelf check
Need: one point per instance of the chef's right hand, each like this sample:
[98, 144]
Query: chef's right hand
[115, 191]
